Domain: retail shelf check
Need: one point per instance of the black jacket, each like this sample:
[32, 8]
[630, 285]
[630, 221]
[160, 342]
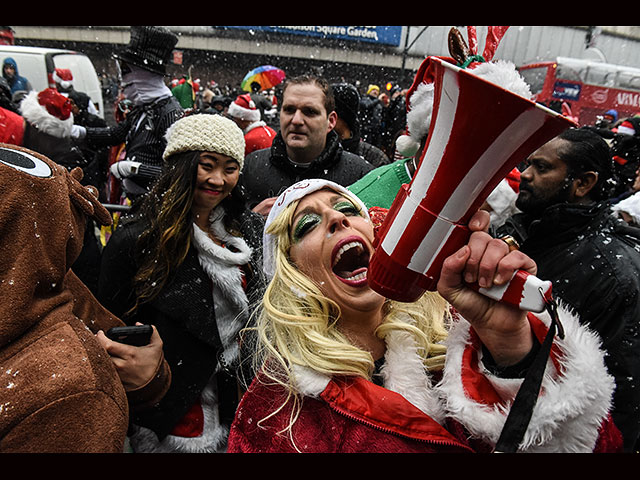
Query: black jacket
[371, 119]
[143, 131]
[593, 260]
[184, 315]
[370, 153]
[266, 173]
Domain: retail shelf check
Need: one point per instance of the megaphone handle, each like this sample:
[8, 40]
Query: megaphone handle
[524, 291]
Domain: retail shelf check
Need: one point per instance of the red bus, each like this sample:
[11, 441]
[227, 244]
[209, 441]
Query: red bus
[588, 88]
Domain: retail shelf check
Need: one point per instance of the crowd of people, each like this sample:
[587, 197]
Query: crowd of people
[241, 229]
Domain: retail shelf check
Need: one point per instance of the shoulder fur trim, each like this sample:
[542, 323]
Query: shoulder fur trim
[403, 373]
[571, 409]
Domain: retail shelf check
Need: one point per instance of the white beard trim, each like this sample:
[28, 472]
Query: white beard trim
[571, 408]
[39, 117]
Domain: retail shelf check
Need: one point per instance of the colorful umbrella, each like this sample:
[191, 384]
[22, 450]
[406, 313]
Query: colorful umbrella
[267, 76]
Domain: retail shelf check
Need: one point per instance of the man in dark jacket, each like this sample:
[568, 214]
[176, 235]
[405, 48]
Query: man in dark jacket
[347, 101]
[143, 67]
[592, 258]
[371, 113]
[306, 146]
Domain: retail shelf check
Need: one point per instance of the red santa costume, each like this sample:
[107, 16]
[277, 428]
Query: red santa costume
[462, 408]
[257, 135]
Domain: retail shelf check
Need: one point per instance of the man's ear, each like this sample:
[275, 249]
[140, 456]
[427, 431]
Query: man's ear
[584, 184]
[333, 119]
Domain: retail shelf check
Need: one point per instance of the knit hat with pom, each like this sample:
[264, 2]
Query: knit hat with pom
[206, 133]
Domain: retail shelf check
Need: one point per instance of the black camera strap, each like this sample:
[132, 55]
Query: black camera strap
[527, 396]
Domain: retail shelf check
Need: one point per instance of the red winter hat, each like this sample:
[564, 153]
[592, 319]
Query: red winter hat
[244, 108]
[56, 104]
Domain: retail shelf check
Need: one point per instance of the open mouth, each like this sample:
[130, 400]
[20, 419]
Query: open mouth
[351, 261]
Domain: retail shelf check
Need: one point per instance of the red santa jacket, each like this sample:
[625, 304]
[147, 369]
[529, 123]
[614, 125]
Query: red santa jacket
[463, 412]
[11, 127]
[258, 136]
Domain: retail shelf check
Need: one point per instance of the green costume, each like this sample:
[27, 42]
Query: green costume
[379, 187]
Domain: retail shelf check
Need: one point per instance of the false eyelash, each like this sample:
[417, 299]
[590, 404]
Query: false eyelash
[304, 225]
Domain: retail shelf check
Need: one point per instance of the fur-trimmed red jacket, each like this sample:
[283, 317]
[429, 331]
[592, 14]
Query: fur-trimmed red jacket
[258, 136]
[464, 412]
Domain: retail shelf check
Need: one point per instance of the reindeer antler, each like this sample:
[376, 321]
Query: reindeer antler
[494, 36]
[464, 54]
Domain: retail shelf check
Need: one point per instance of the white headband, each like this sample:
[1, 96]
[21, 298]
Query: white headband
[290, 195]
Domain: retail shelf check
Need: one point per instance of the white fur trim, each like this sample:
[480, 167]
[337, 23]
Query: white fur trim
[222, 265]
[66, 84]
[567, 415]
[403, 373]
[418, 119]
[625, 130]
[505, 75]
[39, 117]
[630, 205]
[255, 125]
[212, 440]
[242, 113]
[308, 381]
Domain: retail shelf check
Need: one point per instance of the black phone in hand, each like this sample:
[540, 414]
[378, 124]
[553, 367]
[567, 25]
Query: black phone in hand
[137, 336]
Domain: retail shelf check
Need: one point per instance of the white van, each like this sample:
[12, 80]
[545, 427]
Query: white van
[37, 65]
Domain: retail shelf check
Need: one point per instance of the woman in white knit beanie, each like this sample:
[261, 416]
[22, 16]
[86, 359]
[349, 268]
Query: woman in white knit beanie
[188, 262]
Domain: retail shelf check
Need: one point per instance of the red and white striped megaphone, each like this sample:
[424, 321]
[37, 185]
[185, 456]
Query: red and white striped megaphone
[479, 132]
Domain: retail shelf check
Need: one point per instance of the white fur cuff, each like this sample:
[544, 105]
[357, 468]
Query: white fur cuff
[575, 399]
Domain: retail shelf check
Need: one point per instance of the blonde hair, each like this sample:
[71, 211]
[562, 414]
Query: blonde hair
[297, 325]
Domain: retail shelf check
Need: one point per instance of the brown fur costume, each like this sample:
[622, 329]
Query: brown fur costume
[59, 391]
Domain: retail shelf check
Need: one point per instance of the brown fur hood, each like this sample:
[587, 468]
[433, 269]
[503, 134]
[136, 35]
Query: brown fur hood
[42, 220]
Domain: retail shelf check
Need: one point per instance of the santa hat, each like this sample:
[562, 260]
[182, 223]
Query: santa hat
[49, 111]
[513, 179]
[626, 128]
[63, 77]
[420, 95]
[286, 198]
[244, 108]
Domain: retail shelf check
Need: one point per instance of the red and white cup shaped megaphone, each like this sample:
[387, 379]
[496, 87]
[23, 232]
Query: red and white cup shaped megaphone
[479, 132]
